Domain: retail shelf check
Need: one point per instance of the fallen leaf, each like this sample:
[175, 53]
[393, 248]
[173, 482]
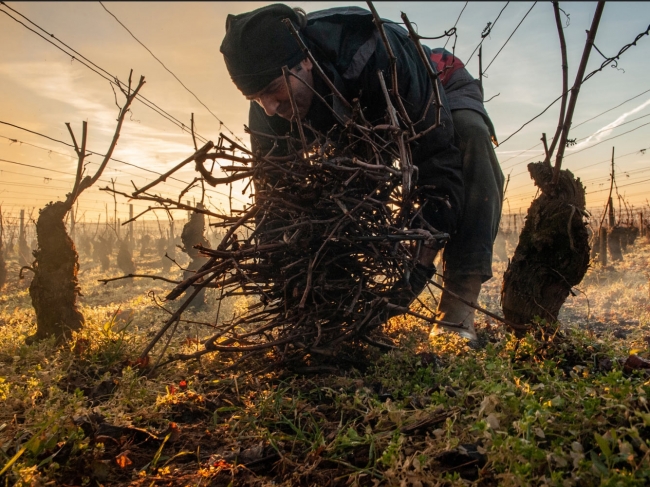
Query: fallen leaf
[221, 463]
[142, 362]
[123, 459]
[488, 404]
[559, 460]
[492, 421]
[634, 362]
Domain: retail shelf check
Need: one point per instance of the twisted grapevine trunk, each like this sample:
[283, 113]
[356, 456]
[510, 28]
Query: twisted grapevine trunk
[553, 251]
[194, 234]
[54, 288]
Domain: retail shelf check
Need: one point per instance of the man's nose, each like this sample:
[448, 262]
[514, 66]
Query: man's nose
[269, 104]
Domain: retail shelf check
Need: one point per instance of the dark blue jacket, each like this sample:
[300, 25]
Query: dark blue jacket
[347, 46]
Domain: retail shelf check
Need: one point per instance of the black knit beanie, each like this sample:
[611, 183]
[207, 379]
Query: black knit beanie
[256, 46]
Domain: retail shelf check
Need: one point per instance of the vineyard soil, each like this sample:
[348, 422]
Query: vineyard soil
[565, 409]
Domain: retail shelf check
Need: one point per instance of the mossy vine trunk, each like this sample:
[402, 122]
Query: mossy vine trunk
[54, 288]
[553, 251]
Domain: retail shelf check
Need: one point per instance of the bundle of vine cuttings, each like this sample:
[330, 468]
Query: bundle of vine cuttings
[327, 246]
[326, 250]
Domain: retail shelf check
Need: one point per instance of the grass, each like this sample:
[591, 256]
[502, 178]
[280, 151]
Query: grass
[554, 409]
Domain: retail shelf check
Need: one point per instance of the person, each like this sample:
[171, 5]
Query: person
[463, 188]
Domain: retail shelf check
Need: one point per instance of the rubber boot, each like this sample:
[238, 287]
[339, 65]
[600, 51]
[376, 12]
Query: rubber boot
[452, 310]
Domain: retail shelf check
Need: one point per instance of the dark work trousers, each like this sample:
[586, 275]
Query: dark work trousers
[469, 251]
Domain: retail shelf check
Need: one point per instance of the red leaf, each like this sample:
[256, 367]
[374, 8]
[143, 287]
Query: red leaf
[123, 460]
[221, 463]
[142, 362]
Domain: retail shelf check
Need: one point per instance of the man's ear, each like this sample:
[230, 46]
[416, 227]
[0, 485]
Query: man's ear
[306, 64]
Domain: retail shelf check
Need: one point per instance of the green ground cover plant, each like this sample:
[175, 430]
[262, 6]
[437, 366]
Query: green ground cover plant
[562, 406]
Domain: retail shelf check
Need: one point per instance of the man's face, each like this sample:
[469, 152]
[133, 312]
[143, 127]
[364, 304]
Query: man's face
[275, 100]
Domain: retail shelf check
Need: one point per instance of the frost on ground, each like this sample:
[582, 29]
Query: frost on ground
[557, 408]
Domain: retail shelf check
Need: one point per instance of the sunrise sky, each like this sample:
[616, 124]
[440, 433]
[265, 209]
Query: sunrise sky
[42, 88]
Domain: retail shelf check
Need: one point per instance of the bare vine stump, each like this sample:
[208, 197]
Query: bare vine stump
[595, 245]
[144, 245]
[553, 251]
[603, 247]
[161, 246]
[614, 242]
[24, 251]
[629, 235]
[194, 234]
[171, 253]
[125, 259]
[101, 252]
[3, 267]
[111, 240]
[54, 288]
[500, 251]
[641, 227]
[512, 238]
[626, 238]
[85, 245]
